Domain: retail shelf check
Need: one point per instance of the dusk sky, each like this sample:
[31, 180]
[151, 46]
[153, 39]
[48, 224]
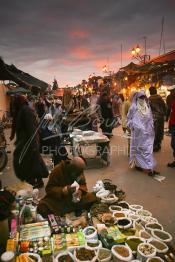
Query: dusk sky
[71, 39]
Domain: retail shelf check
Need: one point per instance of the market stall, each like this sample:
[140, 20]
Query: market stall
[88, 138]
[113, 230]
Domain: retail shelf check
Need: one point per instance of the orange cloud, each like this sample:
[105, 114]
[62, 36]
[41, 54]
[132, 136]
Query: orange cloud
[81, 53]
[79, 34]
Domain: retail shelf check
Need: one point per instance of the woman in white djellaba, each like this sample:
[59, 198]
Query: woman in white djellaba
[140, 122]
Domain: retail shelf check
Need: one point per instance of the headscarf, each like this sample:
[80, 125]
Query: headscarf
[138, 105]
[142, 106]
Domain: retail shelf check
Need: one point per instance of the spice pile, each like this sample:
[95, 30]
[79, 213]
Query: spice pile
[114, 229]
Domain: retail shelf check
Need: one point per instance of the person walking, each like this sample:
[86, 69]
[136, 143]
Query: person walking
[158, 109]
[50, 140]
[172, 124]
[28, 163]
[140, 122]
[106, 115]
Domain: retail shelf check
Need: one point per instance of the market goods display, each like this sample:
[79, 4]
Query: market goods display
[145, 250]
[153, 225]
[66, 241]
[155, 259]
[65, 257]
[133, 243]
[121, 253]
[117, 231]
[145, 235]
[28, 257]
[161, 235]
[85, 254]
[161, 247]
[104, 254]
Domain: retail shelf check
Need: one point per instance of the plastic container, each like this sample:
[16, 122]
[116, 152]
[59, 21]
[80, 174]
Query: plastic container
[108, 258]
[110, 199]
[115, 208]
[92, 260]
[128, 211]
[134, 217]
[118, 257]
[159, 251]
[135, 208]
[144, 213]
[63, 254]
[124, 226]
[94, 242]
[145, 220]
[145, 235]
[118, 215]
[163, 233]
[141, 255]
[149, 228]
[158, 259]
[123, 204]
[90, 236]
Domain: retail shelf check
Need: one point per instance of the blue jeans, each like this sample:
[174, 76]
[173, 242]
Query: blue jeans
[172, 131]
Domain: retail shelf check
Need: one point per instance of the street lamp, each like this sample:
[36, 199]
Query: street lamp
[104, 69]
[136, 54]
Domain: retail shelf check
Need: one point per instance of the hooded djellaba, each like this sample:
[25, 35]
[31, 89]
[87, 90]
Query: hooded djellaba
[140, 122]
[28, 163]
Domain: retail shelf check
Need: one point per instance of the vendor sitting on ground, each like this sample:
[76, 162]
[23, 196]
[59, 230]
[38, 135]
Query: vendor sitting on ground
[60, 193]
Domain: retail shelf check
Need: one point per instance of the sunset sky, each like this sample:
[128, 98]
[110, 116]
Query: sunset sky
[71, 39]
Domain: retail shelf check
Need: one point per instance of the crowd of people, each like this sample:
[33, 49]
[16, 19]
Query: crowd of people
[39, 127]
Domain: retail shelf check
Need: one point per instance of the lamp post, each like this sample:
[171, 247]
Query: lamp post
[106, 70]
[143, 59]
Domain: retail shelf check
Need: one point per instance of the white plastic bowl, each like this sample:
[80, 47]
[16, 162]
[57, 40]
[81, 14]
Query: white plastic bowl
[124, 227]
[141, 255]
[107, 259]
[63, 254]
[149, 229]
[135, 208]
[114, 210]
[160, 251]
[93, 260]
[134, 217]
[146, 239]
[119, 212]
[109, 199]
[144, 213]
[169, 237]
[145, 220]
[159, 259]
[91, 236]
[118, 257]
[94, 241]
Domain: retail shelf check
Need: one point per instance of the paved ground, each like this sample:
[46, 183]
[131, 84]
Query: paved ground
[158, 197]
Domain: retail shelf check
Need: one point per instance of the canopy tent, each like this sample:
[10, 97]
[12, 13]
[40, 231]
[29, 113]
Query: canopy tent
[12, 73]
[19, 90]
